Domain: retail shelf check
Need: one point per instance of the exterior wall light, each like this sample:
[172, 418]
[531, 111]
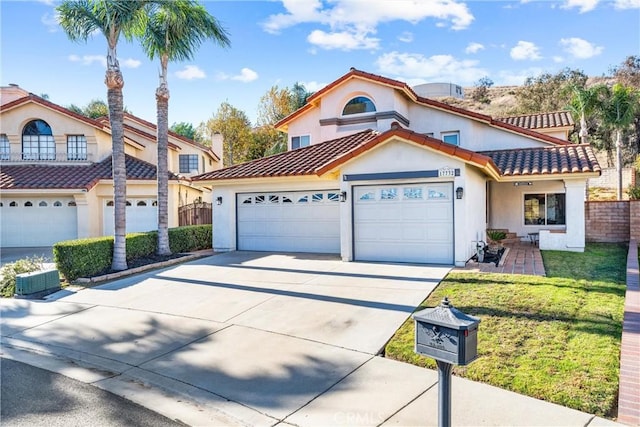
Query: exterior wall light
[521, 183]
[219, 200]
[343, 196]
[459, 192]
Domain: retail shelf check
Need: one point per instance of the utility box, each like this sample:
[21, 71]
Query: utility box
[37, 283]
[446, 334]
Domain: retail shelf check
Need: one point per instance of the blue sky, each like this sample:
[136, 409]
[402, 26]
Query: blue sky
[315, 42]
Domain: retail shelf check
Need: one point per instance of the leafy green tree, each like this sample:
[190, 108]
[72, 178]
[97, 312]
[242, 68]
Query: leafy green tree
[94, 109]
[618, 112]
[235, 128]
[80, 20]
[548, 92]
[300, 94]
[184, 129]
[176, 28]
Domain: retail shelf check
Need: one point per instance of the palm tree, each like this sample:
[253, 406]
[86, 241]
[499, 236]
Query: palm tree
[618, 112]
[175, 29]
[584, 103]
[80, 20]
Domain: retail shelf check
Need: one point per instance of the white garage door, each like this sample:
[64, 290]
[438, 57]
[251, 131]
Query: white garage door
[27, 222]
[142, 215]
[289, 222]
[404, 223]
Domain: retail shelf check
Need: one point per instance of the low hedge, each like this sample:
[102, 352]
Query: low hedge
[88, 257]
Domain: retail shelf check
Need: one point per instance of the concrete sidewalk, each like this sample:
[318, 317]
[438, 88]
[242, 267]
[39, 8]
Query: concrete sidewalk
[241, 339]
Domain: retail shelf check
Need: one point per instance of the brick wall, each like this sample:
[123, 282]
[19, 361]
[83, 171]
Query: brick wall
[609, 178]
[607, 221]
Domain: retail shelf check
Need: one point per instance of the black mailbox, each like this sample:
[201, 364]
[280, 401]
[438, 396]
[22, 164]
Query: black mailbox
[446, 334]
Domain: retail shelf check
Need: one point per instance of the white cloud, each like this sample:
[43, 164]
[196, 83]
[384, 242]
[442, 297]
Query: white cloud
[351, 23]
[474, 48]
[525, 51]
[341, 13]
[583, 5]
[418, 68]
[102, 60]
[516, 78]
[89, 59]
[627, 4]
[50, 20]
[191, 72]
[313, 86]
[130, 63]
[343, 40]
[580, 48]
[558, 59]
[406, 37]
[246, 75]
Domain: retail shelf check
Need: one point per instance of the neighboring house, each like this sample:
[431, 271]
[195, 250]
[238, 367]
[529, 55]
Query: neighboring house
[559, 123]
[55, 172]
[375, 172]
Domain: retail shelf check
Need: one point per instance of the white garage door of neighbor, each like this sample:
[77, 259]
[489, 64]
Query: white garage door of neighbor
[142, 215]
[306, 221]
[404, 223]
[27, 222]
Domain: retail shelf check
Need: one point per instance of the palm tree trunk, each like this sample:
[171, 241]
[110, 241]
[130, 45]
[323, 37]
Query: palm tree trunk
[162, 99]
[619, 162]
[115, 83]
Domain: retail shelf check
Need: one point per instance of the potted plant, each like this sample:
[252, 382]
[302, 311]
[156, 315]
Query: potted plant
[495, 237]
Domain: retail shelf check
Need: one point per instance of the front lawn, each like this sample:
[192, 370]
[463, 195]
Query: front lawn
[555, 338]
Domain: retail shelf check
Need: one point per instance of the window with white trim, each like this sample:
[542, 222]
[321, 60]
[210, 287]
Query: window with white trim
[300, 141]
[76, 147]
[545, 209]
[5, 148]
[38, 142]
[452, 138]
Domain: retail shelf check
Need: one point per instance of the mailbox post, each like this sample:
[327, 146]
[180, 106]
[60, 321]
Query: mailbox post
[451, 338]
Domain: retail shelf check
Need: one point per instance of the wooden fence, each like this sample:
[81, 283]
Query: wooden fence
[197, 213]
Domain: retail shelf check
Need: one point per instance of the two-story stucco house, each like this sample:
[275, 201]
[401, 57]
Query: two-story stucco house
[377, 172]
[55, 172]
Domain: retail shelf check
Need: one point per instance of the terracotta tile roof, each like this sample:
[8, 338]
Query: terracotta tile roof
[303, 161]
[69, 177]
[36, 99]
[540, 120]
[574, 158]
[409, 93]
[321, 158]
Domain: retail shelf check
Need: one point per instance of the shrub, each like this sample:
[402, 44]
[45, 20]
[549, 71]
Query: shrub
[9, 272]
[88, 257]
[496, 235]
[634, 192]
[83, 257]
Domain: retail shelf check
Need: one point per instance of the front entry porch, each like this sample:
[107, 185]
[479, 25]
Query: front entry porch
[519, 258]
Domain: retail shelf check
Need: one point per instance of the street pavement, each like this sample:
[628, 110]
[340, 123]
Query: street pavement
[259, 339]
[36, 397]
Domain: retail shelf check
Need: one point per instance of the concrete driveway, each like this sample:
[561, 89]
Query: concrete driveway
[252, 336]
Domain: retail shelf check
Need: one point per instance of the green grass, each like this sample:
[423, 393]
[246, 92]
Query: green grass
[555, 338]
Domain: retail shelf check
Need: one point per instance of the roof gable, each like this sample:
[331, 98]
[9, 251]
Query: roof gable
[408, 92]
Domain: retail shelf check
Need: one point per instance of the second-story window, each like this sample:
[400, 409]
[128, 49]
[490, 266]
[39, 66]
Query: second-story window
[359, 104]
[452, 138]
[300, 141]
[5, 149]
[38, 142]
[76, 147]
[188, 163]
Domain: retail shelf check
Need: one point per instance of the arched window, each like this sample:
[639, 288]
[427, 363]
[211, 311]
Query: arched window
[42, 204]
[38, 142]
[28, 204]
[141, 203]
[57, 203]
[359, 104]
